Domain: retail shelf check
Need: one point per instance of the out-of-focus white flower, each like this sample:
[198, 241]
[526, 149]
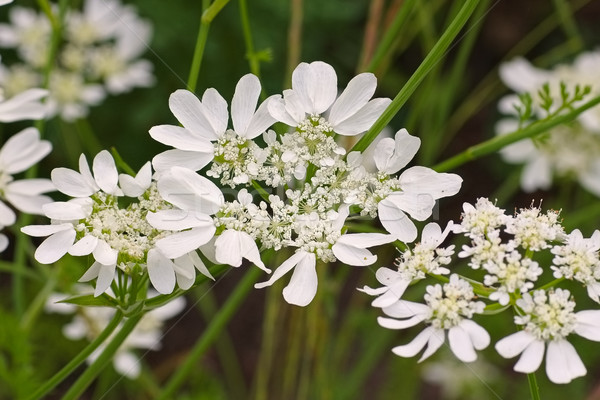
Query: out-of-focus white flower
[19, 153]
[424, 258]
[29, 32]
[70, 96]
[459, 381]
[569, 151]
[451, 308]
[5, 2]
[548, 318]
[25, 105]
[90, 321]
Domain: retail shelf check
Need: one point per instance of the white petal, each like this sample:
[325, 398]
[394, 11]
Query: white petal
[45, 230]
[174, 220]
[105, 172]
[365, 240]
[3, 242]
[373, 292]
[25, 105]
[316, 84]
[479, 336]
[199, 264]
[31, 186]
[363, 119]
[160, 271]
[418, 205]
[71, 183]
[391, 155]
[395, 221]
[588, 324]
[55, 246]
[303, 285]
[106, 275]
[190, 113]
[406, 309]
[391, 323]
[180, 243]
[180, 138]
[7, 215]
[353, 255]
[23, 150]
[461, 345]
[231, 246]
[184, 272]
[134, 187]
[358, 92]
[277, 109]
[105, 254]
[65, 211]
[514, 344]
[436, 340]
[215, 110]
[244, 102]
[395, 292]
[425, 181]
[84, 246]
[91, 273]
[562, 362]
[532, 357]
[283, 269]
[537, 174]
[416, 345]
[260, 121]
[190, 191]
[180, 158]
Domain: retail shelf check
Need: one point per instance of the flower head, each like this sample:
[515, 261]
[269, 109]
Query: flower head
[548, 318]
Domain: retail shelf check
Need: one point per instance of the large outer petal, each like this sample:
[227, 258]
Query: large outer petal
[423, 180]
[391, 155]
[244, 103]
[190, 112]
[23, 150]
[588, 324]
[180, 243]
[105, 172]
[363, 119]
[461, 345]
[180, 138]
[316, 84]
[283, 269]
[416, 345]
[161, 272]
[358, 92]
[531, 358]
[303, 285]
[418, 205]
[25, 105]
[193, 160]
[395, 221]
[562, 362]
[231, 246]
[190, 191]
[55, 246]
[514, 344]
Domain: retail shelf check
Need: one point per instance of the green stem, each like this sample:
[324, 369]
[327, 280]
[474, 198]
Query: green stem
[434, 56]
[199, 49]
[79, 358]
[120, 163]
[551, 284]
[390, 36]
[250, 53]
[533, 386]
[569, 25]
[294, 40]
[498, 142]
[214, 10]
[100, 363]
[211, 333]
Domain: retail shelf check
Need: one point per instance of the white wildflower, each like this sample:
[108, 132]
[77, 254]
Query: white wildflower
[548, 318]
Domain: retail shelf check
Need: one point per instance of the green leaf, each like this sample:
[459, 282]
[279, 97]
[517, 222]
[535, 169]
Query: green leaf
[103, 300]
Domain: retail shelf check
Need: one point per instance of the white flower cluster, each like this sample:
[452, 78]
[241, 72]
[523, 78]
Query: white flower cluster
[504, 247]
[94, 222]
[136, 224]
[316, 182]
[89, 322]
[99, 53]
[571, 151]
